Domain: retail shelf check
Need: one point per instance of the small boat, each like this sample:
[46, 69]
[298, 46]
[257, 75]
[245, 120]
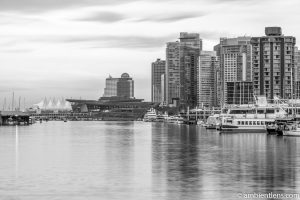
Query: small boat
[212, 121]
[180, 120]
[200, 122]
[272, 128]
[291, 129]
[150, 116]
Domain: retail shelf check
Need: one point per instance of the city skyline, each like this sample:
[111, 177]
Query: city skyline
[69, 48]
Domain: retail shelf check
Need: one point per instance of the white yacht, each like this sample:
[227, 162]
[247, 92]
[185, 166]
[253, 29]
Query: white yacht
[213, 121]
[291, 129]
[150, 116]
[176, 119]
[251, 118]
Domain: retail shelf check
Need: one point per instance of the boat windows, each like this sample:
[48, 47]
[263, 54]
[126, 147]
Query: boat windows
[242, 112]
[262, 123]
[250, 123]
[260, 111]
[254, 123]
[258, 122]
[229, 121]
[242, 122]
[246, 122]
[239, 123]
[270, 111]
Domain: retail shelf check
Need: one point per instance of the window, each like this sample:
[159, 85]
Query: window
[262, 123]
[239, 123]
[258, 122]
[254, 123]
[246, 122]
[250, 123]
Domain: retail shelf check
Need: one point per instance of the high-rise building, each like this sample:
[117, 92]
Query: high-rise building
[273, 64]
[158, 69]
[235, 63]
[181, 69]
[172, 72]
[119, 87]
[297, 73]
[207, 90]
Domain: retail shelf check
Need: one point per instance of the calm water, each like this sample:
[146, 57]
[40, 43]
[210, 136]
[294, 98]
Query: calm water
[136, 160]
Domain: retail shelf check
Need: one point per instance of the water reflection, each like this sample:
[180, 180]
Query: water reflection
[192, 163]
[136, 160]
[175, 161]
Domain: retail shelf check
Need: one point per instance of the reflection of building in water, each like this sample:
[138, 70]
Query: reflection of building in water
[118, 157]
[258, 164]
[175, 164]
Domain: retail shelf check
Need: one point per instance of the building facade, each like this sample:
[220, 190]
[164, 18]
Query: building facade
[158, 70]
[273, 64]
[240, 92]
[172, 72]
[119, 87]
[235, 63]
[297, 73]
[297, 64]
[181, 69]
[207, 90]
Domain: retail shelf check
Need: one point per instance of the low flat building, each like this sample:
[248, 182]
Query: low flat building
[239, 92]
[113, 108]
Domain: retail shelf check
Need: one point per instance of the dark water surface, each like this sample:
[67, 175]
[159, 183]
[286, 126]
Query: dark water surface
[137, 160]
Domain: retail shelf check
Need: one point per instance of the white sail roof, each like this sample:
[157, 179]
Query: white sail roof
[53, 104]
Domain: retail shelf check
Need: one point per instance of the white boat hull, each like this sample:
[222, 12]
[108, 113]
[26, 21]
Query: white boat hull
[291, 133]
[243, 129]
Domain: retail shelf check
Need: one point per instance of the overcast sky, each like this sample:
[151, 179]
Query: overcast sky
[66, 48]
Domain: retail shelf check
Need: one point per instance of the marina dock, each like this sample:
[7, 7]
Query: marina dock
[14, 118]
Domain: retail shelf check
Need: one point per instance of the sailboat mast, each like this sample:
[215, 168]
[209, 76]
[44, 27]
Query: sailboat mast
[19, 108]
[13, 99]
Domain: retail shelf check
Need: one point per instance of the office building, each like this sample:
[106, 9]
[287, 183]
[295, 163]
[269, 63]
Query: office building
[207, 89]
[235, 63]
[297, 64]
[297, 73]
[273, 64]
[181, 69]
[119, 87]
[157, 81]
[172, 71]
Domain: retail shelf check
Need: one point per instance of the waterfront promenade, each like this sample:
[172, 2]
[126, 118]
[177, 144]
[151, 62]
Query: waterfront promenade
[138, 160]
